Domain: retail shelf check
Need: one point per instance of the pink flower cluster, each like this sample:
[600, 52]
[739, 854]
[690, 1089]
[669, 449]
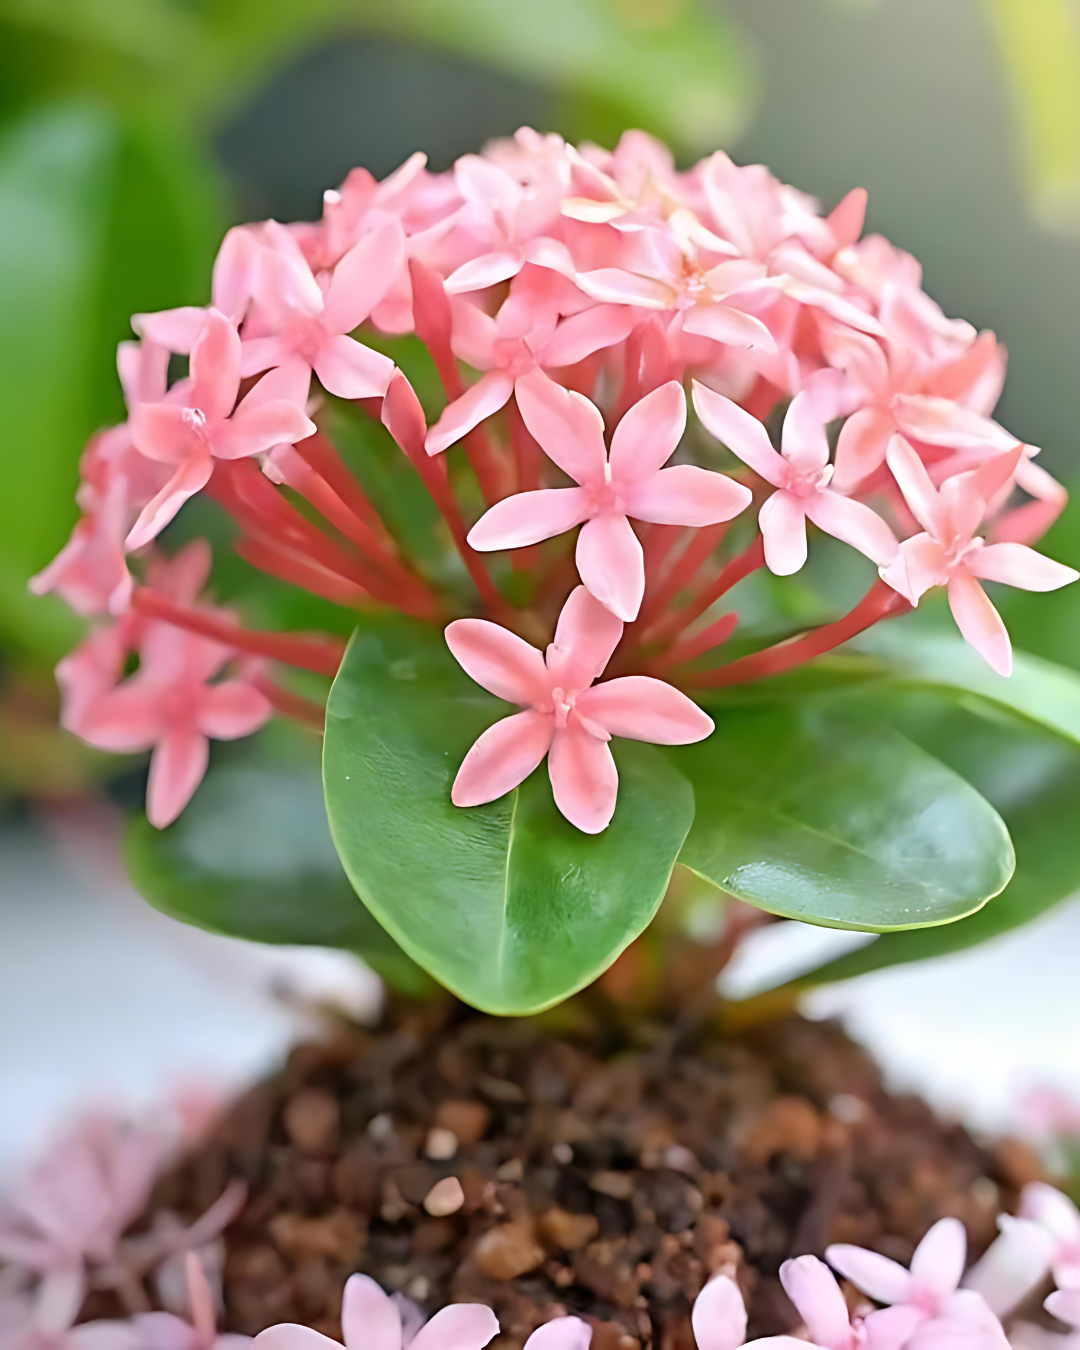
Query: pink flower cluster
[584, 292]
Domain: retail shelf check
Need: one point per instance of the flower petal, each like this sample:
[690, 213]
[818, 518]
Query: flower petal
[919, 564]
[124, 721]
[938, 1261]
[1013, 1265]
[861, 447]
[234, 272]
[892, 1328]
[1051, 1209]
[257, 426]
[528, 517]
[176, 329]
[160, 509]
[349, 369]
[718, 1316]
[561, 1333]
[803, 441]
[611, 563]
[362, 278]
[369, 1318]
[165, 432]
[643, 709]
[461, 1326]
[567, 427]
[979, 621]
[1065, 1304]
[262, 353]
[854, 522]
[614, 286]
[940, 421]
[648, 434]
[585, 637]
[812, 1287]
[732, 327]
[584, 779]
[502, 757]
[486, 396]
[686, 495]
[878, 1277]
[487, 270]
[176, 770]
[293, 1336]
[1018, 565]
[783, 532]
[215, 366]
[579, 335]
[232, 709]
[742, 433]
[914, 482]
[504, 664]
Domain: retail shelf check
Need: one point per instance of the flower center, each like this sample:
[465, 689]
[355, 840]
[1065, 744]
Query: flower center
[196, 420]
[806, 484]
[563, 704]
[513, 355]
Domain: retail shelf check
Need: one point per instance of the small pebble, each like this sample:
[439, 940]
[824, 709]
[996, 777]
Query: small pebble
[440, 1144]
[468, 1120]
[445, 1197]
[507, 1251]
[619, 1185]
[563, 1154]
[312, 1119]
[511, 1170]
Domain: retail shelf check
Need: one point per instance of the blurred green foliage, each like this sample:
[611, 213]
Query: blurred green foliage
[111, 202]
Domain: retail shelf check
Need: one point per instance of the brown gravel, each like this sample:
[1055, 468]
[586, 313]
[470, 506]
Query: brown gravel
[597, 1169]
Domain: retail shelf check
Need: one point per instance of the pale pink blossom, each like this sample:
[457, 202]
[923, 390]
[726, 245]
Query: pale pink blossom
[165, 1331]
[630, 483]
[949, 553]
[206, 426]
[172, 706]
[304, 321]
[1043, 1238]
[801, 474]
[371, 1320]
[566, 716]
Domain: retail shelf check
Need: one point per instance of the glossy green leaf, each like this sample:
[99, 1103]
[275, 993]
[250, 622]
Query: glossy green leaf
[1033, 779]
[818, 819]
[507, 904]
[252, 857]
[1038, 691]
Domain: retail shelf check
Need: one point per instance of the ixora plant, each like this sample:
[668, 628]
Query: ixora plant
[545, 437]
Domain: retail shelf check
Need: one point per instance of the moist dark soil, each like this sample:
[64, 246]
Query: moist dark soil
[576, 1163]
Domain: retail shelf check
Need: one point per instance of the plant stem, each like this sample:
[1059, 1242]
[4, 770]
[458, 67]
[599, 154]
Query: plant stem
[879, 602]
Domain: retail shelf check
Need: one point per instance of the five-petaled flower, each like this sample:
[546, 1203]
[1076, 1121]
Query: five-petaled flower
[801, 474]
[567, 717]
[612, 489]
[949, 553]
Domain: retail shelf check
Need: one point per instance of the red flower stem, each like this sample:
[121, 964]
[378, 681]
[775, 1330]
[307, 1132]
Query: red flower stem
[658, 543]
[314, 489]
[249, 496]
[702, 642]
[290, 704]
[739, 567]
[527, 453]
[700, 547]
[879, 602]
[298, 570]
[433, 323]
[404, 419]
[320, 654]
[321, 453]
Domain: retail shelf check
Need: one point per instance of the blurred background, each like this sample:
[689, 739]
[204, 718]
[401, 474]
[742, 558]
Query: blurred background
[133, 132]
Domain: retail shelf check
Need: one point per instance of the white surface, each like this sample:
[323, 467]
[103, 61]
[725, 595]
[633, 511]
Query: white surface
[101, 998]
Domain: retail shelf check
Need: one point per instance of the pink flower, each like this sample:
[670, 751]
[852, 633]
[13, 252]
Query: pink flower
[163, 1331]
[801, 473]
[304, 321]
[949, 553]
[565, 718]
[934, 1276]
[169, 706]
[370, 1320]
[207, 427]
[630, 483]
[1043, 1238]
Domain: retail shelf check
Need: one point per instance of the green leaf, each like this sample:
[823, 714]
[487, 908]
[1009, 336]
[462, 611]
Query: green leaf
[252, 857]
[1038, 691]
[507, 904]
[817, 819]
[1034, 781]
